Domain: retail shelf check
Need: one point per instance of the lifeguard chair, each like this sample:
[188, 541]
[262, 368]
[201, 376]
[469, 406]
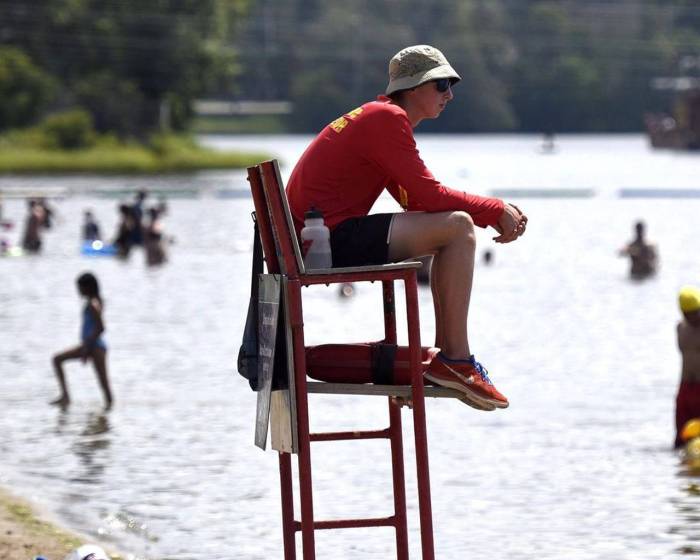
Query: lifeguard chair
[289, 416]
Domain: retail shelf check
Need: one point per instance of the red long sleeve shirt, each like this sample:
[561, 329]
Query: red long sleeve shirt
[357, 156]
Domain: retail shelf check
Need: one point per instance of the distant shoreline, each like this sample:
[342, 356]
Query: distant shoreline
[123, 161]
[25, 534]
[131, 159]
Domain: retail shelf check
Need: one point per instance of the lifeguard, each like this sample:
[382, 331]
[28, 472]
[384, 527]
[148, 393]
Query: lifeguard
[372, 148]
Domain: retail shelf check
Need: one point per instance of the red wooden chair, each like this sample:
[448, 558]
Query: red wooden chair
[283, 256]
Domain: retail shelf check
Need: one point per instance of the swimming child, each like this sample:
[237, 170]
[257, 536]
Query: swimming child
[92, 346]
[688, 399]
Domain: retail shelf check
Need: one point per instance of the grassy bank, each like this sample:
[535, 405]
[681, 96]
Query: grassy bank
[162, 154]
[120, 160]
[24, 535]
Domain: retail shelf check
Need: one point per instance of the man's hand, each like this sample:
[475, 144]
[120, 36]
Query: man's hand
[511, 224]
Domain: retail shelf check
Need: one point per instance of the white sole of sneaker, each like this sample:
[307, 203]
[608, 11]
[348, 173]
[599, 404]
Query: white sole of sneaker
[472, 399]
[479, 406]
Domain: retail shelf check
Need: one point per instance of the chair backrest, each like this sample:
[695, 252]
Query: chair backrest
[285, 237]
[262, 216]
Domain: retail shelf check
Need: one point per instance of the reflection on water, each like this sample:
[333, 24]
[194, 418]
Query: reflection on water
[92, 448]
[579, 467]
[687, 508]
[123, 522]
[686, 501]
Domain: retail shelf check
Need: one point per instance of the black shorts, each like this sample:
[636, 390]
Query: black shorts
[361, 241]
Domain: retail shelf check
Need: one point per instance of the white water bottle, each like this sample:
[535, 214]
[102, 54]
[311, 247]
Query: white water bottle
[315, 241]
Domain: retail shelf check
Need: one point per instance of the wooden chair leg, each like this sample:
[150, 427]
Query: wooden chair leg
[397, 470]
[288, 532]
[419, 426]
[304, 458]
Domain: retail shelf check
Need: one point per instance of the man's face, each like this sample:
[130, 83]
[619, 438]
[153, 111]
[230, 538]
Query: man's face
[429, 101]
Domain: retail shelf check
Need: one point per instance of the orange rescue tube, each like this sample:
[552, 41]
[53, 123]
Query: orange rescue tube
[369, 362]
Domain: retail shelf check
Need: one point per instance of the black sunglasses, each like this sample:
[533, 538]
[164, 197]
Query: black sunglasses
[443, 84]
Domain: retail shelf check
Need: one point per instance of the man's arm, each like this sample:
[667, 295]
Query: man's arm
[412, 184]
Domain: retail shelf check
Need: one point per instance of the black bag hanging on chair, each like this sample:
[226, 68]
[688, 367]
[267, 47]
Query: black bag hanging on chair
[248, 353]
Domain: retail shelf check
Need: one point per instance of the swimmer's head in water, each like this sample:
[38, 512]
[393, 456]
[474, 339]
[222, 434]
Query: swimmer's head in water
[689, 299]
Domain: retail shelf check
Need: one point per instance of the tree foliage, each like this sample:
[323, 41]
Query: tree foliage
[69, 130]
[128, 60]
[25, 89]
[529, 65]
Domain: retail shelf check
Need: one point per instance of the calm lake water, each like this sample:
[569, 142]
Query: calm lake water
[579, 467]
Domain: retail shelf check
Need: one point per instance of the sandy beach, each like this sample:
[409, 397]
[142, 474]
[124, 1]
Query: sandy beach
[24, 534]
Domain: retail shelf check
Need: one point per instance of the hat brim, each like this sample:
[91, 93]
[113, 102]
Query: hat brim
[410, 82]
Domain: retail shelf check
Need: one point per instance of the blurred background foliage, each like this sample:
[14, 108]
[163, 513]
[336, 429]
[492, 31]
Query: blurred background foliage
[136, 66]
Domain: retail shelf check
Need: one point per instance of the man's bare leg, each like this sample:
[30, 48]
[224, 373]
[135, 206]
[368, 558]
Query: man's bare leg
[58, 359]
[449, 236]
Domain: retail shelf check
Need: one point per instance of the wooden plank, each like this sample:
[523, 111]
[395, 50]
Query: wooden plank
[378, 390]
[280, 422]
[291, 382]
[283, 413]
[268, 301]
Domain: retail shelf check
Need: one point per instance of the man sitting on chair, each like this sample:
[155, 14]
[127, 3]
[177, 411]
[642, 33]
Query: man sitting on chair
[372, 148]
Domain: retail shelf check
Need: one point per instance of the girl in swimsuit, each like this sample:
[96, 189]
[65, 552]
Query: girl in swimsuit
[92, 346]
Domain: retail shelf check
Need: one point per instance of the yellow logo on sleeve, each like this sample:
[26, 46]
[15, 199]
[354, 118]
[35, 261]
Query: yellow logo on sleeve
[339, 124]
[354, 113]
[403, 197]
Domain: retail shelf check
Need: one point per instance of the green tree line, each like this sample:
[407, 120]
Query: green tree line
[527, 65]
[136, 66]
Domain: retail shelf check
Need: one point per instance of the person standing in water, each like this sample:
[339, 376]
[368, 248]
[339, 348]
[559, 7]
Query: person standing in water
[31, 240]
[688, 398]
[153, 239]
[91, 230]
[92, 345]
[642, 254]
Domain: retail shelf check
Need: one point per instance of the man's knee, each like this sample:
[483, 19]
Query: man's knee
[462, 226]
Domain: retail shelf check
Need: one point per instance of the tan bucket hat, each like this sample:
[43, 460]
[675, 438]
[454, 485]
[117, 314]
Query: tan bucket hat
[413, 66]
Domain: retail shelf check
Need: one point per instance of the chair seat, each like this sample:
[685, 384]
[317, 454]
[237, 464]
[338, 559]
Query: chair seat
[372, 268]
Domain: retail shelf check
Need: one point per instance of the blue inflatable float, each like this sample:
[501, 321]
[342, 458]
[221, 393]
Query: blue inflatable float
[97, 249]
